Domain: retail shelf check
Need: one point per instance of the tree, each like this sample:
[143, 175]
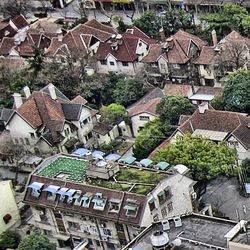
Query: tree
[9, 239]
[230, 17]
[36, 241]
[149, 137]
[217, 103]
[171, 22]
[171, 107]
[236, 95]
[128, 91]
[112, 113]
[12, 8]
[36, 62]
[149, 23]
[205, 158]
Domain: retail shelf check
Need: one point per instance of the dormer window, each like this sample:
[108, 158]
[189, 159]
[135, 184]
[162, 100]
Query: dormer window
[132, 208]
[99, 201]
[61, 193]
[112, 63]
[125, 64]
[103, 62]
[86, 200]
[114, 205]
[51, 191]
[78, 198]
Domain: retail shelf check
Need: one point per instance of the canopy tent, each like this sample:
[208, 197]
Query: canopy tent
[101, 164]
[97, 154]
[36, 185]
[112, 157]
[52, 189]
[127, 160]
[163, 165]
[80, 151]
[146, 162]
[181, 169]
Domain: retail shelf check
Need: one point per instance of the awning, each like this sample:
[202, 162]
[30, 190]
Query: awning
[36, 185]
[181, 169]
[77, 196]
[112, 157]
[151, 200]
[163, 165]
[98, 154]
[80, 151]
[161, 193]
[62, 191]
[70, 192]
[146, 162]
[52, 189]
[127, 160]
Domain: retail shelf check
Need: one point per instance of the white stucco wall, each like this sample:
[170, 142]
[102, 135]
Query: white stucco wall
[181, 189]
[136, 122]
[107, 138]
[8, 206]
[163, 66]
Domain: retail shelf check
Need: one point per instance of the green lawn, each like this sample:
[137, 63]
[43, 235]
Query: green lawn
[73, 168]
[110, 184]
[142, 176]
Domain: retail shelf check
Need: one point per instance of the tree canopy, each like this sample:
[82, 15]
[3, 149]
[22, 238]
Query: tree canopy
[171, 22]
[36, 241]
[230, 17]
[149, 137]
[236, 95]
[128, 90]
[112, 113]
[205, 158]
[171, 107]
[12, 8]
[9, 239]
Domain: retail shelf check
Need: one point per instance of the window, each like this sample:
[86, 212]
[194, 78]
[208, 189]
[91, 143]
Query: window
[151, 204]
[114, 207]
[47, 232]
[112, 63]
[103, 62]
[163, 67]
[233, 143]
[98, 243]
[32, 135]
[85, 228]
[90, 135]
[167, 192]
[176, 66]
[27, 141]
[37, 151]
[74, 225]
[43, 218]
[170, 207]
[144, 118]
[16, 140]
[107, 231]
[119, 227]
[154, 64]
[85, 121]
[125, 64]
[111, 246]
[156, 218]
[140, 44]
[22, 141]
[140, 128]
[161, 197]
[164, 212]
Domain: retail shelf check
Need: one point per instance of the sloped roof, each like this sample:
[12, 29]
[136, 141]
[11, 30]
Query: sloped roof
[127, 45]
[79, 99]
[6, 114]
[71, 111]
[20, 21]
[206, 56]
[206, 90]
[102, 128]
[155, 50]
[7, 45]
[184, 90]
[220, 121]
[149, 107]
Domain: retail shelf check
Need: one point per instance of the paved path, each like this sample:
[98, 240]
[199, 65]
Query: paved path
[223, 193]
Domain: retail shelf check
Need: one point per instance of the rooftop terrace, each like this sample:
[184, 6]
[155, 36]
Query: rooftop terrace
[197, 232]
[64, 168]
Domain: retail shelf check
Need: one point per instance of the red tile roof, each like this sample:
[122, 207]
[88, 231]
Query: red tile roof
[178, 90]
[20, 22]
[79, 100]
[155, 50]
[126, 50]
[124, 197]
[206, 57]
[234, 123]
[149, 107]
[7, 45]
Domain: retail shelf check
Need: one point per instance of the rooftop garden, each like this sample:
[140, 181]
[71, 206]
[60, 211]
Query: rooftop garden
[128, 178]
[69, 169]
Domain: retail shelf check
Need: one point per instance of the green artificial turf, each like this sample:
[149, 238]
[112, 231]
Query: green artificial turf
[75, 169]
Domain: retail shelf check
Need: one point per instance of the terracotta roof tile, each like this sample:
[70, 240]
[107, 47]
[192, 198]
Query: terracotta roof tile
[7, 45]
[206, 56]
[178, 90]
[102, 128]
[155, 50]
[206, 90]
[149, 107]
[20, 22]
[79, 100]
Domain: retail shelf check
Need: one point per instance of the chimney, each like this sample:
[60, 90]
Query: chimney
[26, 91]
[214, 38]
[52, 91]
[60, 37]
[203, 107]
[162, 35]
[17, 100]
